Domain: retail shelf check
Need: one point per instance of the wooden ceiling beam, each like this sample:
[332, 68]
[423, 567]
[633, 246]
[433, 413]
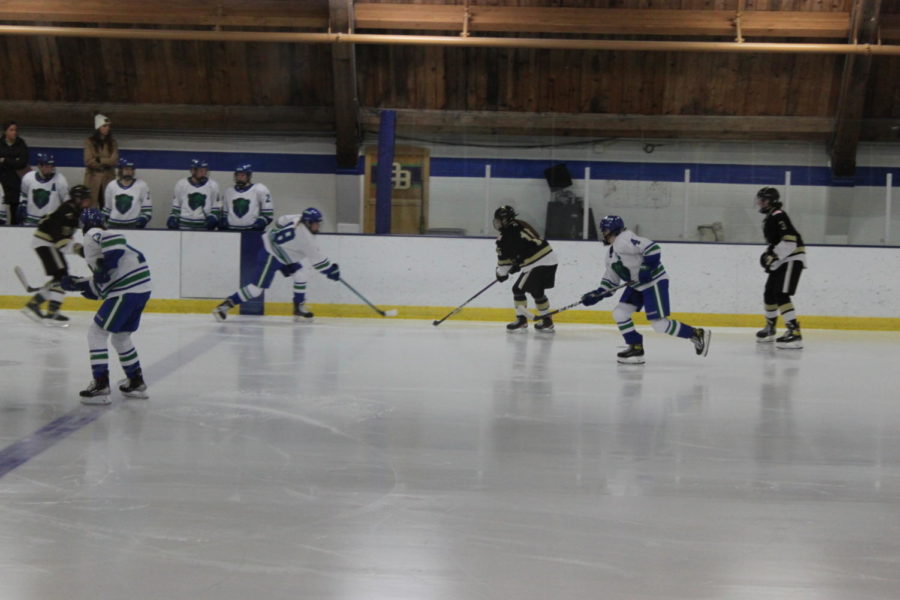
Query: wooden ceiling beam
[854, 81]
[346, 100]
[418, 122]
[309, 14]
[602, 21]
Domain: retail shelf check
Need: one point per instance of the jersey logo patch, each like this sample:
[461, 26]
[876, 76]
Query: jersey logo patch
[621, 270]
[240, 206]
[123, 203]
[196, 200]
[41, 198]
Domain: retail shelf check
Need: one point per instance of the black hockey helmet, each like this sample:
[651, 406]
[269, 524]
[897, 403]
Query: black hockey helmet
[79, 193]
[503, 216]
[768, 199]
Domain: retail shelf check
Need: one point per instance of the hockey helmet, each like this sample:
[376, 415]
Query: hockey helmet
[125, 162]
[503, 216]
[244, 168]
[79, 193]
[611, 225]
[92, 217]
[199, 163]
[45, 159]
[311, 215]
[768, 199]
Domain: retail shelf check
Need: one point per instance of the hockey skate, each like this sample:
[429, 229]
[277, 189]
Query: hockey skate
[545, 325]
[791, 340]
[519, 325]
[134, 387]
[33, 311]
[55, 319]
[221, 311]
[301, 315]
[97, 392]
[767, 333]
[701, 340]
[632, 355]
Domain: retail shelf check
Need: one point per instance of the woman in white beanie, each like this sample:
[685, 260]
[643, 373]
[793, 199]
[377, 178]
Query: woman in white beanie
[101, 154]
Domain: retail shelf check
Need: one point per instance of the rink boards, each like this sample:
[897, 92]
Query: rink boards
[425, 277]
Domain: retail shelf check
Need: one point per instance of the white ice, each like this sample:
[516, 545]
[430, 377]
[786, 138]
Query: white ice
[386, 459]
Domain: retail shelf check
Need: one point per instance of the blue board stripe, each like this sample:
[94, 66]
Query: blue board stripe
[510, 168]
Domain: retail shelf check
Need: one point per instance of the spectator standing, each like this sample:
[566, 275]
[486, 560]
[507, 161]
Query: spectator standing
[101, 155]
[13, 165]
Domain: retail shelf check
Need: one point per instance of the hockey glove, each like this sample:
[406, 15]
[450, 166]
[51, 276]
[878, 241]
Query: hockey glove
[78, 249]
[78, 284]
[142, 222]
[21, 213]
[502, 272]
[260, 223]
[211, 222]
[766, 260]
[172, 223]
[594, 296]
[333, 272]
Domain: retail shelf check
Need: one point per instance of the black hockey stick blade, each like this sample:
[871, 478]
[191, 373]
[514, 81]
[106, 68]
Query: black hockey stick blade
[460, 307]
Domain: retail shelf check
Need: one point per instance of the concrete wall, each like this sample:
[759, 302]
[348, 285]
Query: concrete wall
[439, 272]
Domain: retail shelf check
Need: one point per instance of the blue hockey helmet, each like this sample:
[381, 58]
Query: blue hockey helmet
[611, 225]
[311, 215]
[125, 162]
[92, 217]
[199, 163]
[244, 168]
[45, 159]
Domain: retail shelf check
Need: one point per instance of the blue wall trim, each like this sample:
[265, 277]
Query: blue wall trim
[502, 168]
[251, 246]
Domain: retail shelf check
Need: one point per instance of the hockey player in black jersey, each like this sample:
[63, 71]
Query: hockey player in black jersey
[784, 261]
[520, 249]
[54, 234]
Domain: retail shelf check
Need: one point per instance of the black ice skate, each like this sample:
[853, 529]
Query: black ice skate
[767, 333]
[55, 319]
[545, 325]
[32, 310]
[221, 311]
[701, 340]
[301, 314]
[97, 392]
[792, 339]
[134, 387]
[633, 355]
[520, 324]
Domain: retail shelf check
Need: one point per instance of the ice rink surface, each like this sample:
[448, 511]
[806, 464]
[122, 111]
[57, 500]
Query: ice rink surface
[390, 460]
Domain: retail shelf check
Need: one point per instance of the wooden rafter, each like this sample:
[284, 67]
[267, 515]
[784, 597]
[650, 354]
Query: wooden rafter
[855, 79]
[346, 103]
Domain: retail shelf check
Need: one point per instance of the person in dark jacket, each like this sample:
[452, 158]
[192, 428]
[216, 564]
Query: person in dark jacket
[13, 164]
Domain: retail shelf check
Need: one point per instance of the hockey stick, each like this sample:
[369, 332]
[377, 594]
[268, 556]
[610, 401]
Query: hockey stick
[21, 275]
[460, 307]
[383, 313]
[574, 304]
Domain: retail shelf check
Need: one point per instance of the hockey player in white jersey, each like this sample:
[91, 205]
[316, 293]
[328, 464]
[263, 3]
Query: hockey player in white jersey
[287, 244]
[246, 205]
[127, 199]
[121, 278]
[637, 261]
[196, 202]
[42, 191]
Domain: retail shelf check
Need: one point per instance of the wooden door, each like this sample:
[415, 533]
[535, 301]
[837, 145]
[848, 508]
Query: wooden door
[409, 196]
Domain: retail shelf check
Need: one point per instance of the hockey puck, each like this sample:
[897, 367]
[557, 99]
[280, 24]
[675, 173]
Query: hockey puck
[391, 313]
